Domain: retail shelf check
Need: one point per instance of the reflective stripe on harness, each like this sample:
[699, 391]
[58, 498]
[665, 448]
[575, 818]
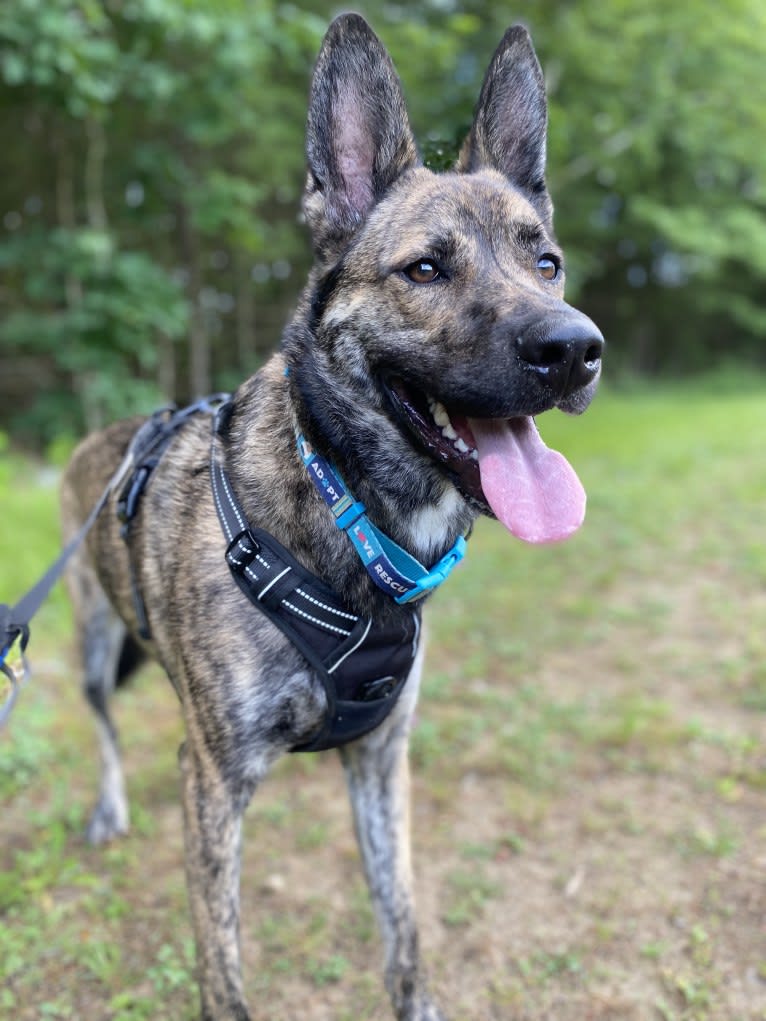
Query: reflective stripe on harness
[363, 664]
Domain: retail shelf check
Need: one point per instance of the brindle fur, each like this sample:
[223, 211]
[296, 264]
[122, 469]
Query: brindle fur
[247, 695]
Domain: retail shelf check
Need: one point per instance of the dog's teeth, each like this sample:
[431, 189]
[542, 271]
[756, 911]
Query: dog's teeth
[475, 455]
[442, 419]
[440, 415]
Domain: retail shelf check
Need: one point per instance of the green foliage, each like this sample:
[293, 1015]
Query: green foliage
[149, 241]
[61, 50]
[125, 297]
[143, 190]
[658, 171]
[327, 971]
[106, 341]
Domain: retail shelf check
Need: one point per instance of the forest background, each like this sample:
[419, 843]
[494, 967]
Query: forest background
[152, 165]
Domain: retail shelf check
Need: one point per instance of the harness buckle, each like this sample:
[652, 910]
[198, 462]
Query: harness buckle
[350, 515]
[381, 687]
[242, 551]
[127, 503]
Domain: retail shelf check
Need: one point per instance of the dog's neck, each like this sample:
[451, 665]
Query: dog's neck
[407, 496]
[412, 504]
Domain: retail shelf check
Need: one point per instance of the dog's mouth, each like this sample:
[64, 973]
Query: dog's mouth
[501, 465]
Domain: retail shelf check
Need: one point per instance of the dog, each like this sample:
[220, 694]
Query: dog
[431, 331]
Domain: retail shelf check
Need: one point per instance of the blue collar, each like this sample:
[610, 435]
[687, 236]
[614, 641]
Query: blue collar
[392, 568]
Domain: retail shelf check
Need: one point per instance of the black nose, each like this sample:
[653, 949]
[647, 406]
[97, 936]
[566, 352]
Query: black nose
[565, 352]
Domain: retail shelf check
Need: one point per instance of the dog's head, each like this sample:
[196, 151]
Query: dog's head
[438, 304]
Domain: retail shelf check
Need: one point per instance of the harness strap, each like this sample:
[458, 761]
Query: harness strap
[148, 446]
[363, 665]
[15, 620]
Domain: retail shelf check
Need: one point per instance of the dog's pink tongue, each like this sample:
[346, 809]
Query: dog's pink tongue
[531, 489]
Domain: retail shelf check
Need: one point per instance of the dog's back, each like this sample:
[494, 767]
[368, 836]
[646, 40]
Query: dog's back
[92, 465]
[115, 552]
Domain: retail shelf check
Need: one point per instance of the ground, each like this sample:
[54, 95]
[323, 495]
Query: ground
[589, 795]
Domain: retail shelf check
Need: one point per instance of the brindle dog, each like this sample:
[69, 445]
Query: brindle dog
[431, 331]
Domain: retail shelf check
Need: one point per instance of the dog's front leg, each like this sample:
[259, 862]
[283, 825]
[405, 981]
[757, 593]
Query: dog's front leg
[377, 770]
[212, 833]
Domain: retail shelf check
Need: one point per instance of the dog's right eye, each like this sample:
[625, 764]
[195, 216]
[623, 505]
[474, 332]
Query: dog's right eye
[422, 271]
[548, 267]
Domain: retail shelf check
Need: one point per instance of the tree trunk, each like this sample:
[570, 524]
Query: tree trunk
[66, 214]
[245, 311]
[95, 156]
[200, 376]
[167, 373]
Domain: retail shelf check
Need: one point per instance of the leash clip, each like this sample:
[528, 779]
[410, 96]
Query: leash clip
[14, 669]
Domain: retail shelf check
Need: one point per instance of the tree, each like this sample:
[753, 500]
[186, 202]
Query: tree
[149, 237]
[142, 192]
[660, 175]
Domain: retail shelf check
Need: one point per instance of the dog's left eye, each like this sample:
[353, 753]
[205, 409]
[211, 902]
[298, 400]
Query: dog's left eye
[422, 271]
[548, 267]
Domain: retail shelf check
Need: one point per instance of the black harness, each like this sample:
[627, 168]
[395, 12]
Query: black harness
[146, 448]
[363, 664]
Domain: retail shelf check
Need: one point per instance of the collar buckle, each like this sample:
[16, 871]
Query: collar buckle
[438, 573]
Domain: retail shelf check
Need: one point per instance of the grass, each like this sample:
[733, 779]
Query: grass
[589, 793]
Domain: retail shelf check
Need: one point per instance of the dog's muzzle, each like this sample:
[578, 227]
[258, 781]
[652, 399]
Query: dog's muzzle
[564, 353]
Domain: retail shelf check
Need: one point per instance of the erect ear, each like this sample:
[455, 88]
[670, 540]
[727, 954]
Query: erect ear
[511, 119]
[358, 138]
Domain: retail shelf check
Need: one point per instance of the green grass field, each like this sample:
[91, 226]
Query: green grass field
[590, 770]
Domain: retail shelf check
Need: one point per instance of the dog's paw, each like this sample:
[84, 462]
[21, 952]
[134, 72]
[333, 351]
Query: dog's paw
[424, 1010]
[109, 820]
[432, 1013]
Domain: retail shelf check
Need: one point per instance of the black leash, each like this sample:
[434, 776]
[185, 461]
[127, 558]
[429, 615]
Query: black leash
[15, 620]
[136, 466]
